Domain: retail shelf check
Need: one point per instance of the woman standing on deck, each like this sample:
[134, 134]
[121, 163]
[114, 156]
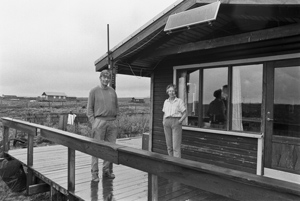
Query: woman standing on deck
[174, 114]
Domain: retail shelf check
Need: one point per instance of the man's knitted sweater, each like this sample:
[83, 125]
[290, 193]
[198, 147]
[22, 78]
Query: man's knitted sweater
[102, 103]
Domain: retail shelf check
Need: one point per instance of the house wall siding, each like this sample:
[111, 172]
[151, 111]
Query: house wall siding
[239, 153]
[163, 76]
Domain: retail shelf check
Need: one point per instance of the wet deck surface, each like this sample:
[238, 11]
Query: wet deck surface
[129, 185]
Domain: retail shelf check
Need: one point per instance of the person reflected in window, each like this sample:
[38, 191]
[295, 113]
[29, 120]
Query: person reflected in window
[174, 114]
[216, 110]
[225, 94]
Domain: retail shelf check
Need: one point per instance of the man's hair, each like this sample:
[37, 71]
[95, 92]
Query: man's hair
[173, 86]
[105, 73]
[218, 93]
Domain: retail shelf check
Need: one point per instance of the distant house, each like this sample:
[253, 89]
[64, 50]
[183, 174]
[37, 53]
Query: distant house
[135, 100]
[71, 98]
[54, 96]
[9, 97]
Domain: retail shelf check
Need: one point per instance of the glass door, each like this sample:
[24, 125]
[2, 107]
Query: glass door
[282, 136]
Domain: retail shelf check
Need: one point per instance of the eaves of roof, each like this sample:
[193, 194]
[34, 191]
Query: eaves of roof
[153, 27]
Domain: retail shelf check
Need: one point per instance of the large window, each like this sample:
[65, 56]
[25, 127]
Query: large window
[213, 105]
[246, 97]
[214, 102]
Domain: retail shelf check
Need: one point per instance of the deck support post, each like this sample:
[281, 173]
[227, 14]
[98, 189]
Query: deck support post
[152, 179]
[71, 170]
[30, 178]
[259, 168]
[57, 196]
[5, 139]
[62, 124]
[152, 187]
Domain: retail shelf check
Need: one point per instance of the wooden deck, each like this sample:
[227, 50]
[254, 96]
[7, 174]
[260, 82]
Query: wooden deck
[50, 164]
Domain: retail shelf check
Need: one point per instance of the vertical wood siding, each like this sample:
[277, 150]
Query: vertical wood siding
[163, 76]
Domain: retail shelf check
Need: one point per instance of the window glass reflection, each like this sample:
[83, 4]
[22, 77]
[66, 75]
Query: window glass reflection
[246, 97]
[287, 102]
[188, 91]
[214, 107]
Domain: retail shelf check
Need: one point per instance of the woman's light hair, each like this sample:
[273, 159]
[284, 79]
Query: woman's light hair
[171, 86]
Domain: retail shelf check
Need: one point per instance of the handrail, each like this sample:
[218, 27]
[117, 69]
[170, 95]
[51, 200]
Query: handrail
[230, 183]
[104, 150]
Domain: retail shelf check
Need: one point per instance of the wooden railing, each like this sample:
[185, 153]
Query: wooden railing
[230, 183]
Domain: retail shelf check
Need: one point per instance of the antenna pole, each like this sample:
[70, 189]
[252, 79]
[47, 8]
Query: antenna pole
[109, 60]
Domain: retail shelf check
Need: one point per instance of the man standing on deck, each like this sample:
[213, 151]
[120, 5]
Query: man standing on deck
[102, 110]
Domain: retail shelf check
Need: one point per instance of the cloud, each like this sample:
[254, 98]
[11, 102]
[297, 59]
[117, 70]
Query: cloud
[52, 45]
[140, 88]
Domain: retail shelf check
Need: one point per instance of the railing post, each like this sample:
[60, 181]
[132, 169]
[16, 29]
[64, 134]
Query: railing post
[259, 165]
[30, 149]
[152, 179]
[30, 176]
[62, 125]
[152, 187]
[5, 139]
[71, 170]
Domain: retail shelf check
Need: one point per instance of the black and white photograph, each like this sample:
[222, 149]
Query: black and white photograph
[140, 100]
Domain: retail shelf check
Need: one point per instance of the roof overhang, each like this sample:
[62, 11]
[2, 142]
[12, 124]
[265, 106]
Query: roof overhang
[138, 36]
[237, 21]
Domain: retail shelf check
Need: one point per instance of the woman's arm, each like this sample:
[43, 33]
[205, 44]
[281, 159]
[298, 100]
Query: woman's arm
[182, 117]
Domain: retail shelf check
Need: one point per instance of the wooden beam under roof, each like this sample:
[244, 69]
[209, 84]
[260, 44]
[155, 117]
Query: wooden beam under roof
[273, 33]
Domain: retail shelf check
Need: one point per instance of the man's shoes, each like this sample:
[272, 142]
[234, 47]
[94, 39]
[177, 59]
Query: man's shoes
[108, 175]
[95, 177]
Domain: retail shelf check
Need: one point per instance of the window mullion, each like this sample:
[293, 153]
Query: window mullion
[229, 105]
[200, 106]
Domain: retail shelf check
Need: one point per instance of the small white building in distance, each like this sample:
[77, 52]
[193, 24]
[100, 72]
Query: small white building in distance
[54, 96]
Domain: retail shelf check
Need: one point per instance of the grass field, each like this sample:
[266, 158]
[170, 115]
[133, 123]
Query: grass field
[133, 118]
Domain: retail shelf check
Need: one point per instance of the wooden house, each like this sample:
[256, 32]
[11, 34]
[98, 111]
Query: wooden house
[9, 97]
[54, 96]
[71, 98]
[137, 100]
[251, 51]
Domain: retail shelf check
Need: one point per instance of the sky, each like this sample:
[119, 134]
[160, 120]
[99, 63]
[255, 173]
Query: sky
[51, 45]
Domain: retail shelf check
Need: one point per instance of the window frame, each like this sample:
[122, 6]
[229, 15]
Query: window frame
[229, 64]
[200, 103]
